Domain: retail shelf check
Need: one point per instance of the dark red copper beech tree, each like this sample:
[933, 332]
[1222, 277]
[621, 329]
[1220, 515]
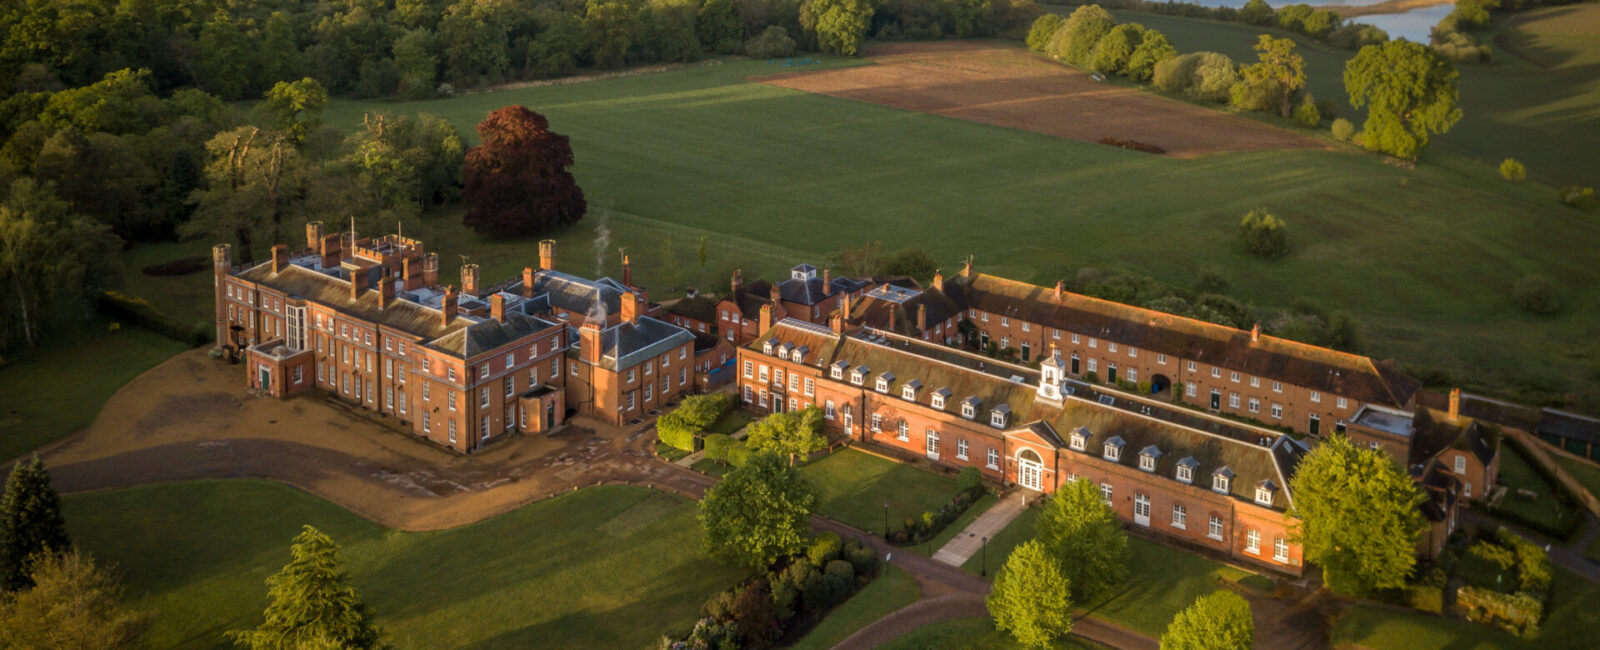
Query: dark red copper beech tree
[517, 180]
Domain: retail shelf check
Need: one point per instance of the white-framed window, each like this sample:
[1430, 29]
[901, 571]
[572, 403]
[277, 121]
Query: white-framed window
[683, 378]
[1233, 400]
[425, 391]
[747, 394]
[1077, 442]
[1186, 473]
[483, 397]
[903, 431]
[984, 317]
[451, 373]
[1105, 493]
[1191, 366]
[322, 373]
[1094, 365]
[794, 383]
[649, 392]
[1055, 334]
[1094, 343]
[1147, 463]
[1280, 549]
[1277, 411]
[997, 418]
[827, 409]
[1005, 321]
[1343, 403]
[908, 393]
[426, 365]
[452, 400]
[1219, 482]
[1111, 347]
[968, 411]
[1255, 405]
[1074, 338]
[937, 401]
[811, 387]
[856, 377]
[836, 372]
[761, 374]
[1180, 516]
[452, 428]
[1111, 451]
[483, 428]
[1316, 397]
[1277, 387]
[402, 349]
[961, 448]
[427, 423]
[511, 385]
[1252, 541]
[1024, 326]
[1264, 496]
[388, 368]
[1255, 382]
[1214, 528]
[402, 402]
[1461, 464]
[1233, 377]
[992, 458]
[1216, 373]
[1189, 389]
[1161, 359]
[876, 423]
[1133, 375]
[631, 401]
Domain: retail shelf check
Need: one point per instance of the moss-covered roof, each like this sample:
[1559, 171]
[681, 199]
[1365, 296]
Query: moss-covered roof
[426, 323]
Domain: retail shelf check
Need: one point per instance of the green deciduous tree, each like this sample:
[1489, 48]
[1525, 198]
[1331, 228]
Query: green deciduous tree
[52, 264]
[1512, 170]
[758, 513]
[1263, 235]
[1280, 69]
[840, 25]
[1356, 515]
[1077, 38]
[30, 523]
[313, 604]
[416, 64]
[613, 28]
[1256, 12]
[1220, 621]
[296, 106]
[254, 178]
[1031, 597]
[1082, 533]
[718, 26]
[1112, 53]
[73, 604]
[795, 435]
[1044, 28]
[1409, 91]
[1153, 49]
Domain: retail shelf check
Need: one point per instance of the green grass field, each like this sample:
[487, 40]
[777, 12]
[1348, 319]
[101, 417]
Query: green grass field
[605, 567]
[1586, 473]
[57, 389]
[886, 593]
[852, 487]
[1516, 472]
[1570, 622]
[967, 634]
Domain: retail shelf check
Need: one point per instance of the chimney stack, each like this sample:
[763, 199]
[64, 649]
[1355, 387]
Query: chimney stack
[766, 320]
[385, 291]
[630, 308]
[836, 323]
[893, 320]
[411, 271]
[313, 235]
[922, 320]
[331, 250]
[358, 281]
[469, 280]
[447, 306]
[547, 254]
[497, 307]
[738, 280]
[966, 271]
[1061, 288]
[589, 342]
[776, 293]
[844, 305]
[222, 258]
[430, 270]
[1455, 404]
[280, 258]
[627, 272]
[827, 282]
[938, 280]
[527, 282]
[1255, 333]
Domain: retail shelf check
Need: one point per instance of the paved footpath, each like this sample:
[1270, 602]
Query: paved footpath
[966, 543]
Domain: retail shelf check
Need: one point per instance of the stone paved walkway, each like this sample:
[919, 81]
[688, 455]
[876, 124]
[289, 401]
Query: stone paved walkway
[965, 544]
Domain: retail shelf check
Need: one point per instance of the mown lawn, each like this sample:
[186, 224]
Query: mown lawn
[53, 391]
[853, 487]
[1018, 531]
[605, 567]
[1587, 473]
[976, 633]
[889, 592]
[1570, 622]
[1517, 472]
[973, 512]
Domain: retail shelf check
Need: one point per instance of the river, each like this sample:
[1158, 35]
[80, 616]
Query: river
[1411, 25]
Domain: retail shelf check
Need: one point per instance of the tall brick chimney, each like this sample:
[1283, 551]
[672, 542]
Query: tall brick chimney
[589, 342]
[358, 281]
[922, 319]
[313, 235]
[938, 280]
[430, 270]
[776, 294]
[827, 282]
[411, 271]
[894, 310]
[332, 250]
[221, 266]
[497, 307]
[1061, 288]
[1255, 333]
[766, 320]
[385, 291]
[738, 281]
[1455, 404]
[836, 323]
[627, 272]
[844, 305]
[966, 271]
[547, 254]
[469, 280]
[447, 307]
[630, 308]
[280, 258]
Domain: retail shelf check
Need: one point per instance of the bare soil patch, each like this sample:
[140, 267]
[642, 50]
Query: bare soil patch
[191, 418]
[1007, 86]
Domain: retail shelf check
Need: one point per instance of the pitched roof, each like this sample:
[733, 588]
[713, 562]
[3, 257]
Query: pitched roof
[874, 309]
[1433, 432]
[575, 294]
[334, 292]
[750, 297]
[486, 335]
[1139, 423]
[1313, 367]
[701, 307]
[626, 344]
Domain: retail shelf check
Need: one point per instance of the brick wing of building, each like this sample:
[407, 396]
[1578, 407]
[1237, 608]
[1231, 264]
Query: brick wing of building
[367, 321]
[1244, 373]
[1211, 482]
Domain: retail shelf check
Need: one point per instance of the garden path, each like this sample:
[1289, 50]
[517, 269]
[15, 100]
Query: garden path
[966, 543]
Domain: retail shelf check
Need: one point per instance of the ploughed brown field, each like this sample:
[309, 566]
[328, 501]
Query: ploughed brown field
[1008, 86]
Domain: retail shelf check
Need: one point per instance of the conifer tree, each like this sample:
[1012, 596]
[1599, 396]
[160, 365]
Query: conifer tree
[313, 604]
[30, 522]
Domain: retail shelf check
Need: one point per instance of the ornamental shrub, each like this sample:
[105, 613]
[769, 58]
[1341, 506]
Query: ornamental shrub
[824, 549]
[717, 445]
[1512, 170]
[773, 43]
[1535, 293]
[1517, 613]
[1263, 235]
[1343, 130]
[1425, 598]
[864, 560]
[1576, 196]
[969, 479]
[842, 569]
[1307, 115]
[815, 592]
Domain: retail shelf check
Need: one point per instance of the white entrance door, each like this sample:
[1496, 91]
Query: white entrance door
[1141, 509]
[1030, 470]
[933, 444]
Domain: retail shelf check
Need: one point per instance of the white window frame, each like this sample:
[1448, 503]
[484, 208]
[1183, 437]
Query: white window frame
[1111, 452]
[1263, 496]
[1252, 541]
[961, 448]
[1180, 516]
[992, 458]
[1214, 528]
[1280, 549]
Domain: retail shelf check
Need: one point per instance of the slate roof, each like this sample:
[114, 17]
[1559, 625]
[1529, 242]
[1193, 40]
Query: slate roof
[628, 344]
[702, 308]
[575, 294]
[875, 313]
[1316, 368]
[750, 297]
[488, 334]
[332, 291]
[1432, 433]
[995, 384]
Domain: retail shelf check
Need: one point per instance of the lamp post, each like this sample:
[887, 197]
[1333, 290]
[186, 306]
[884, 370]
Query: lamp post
[985, 571]
[886, 520]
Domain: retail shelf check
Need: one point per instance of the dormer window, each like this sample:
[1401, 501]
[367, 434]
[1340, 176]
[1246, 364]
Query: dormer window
[859, 375]
[766, 348]
[939, 396]
[1264, 492]
[838, 369]
[783, 353]
[799, 354]
[1113, 448]
[998, 415]
[1148, 458]
[909, 391]
[1220, 479]
[1078, 441]
[1186, 469]
[969, 408]
[884, 380]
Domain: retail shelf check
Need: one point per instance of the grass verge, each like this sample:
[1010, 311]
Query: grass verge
[889, 592]
[854, 486]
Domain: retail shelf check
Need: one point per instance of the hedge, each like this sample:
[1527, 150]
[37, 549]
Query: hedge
[684, 424]
[117, 306]
[1565, 531]
[1516, 613]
